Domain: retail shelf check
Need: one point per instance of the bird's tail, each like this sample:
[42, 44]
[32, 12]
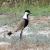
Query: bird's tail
[9, 33]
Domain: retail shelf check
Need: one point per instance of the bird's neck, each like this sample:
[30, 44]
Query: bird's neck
[25, 16]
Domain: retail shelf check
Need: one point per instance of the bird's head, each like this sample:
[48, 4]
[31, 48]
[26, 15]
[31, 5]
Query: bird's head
[27, 13]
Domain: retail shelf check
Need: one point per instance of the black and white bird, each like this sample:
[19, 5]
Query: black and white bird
[23, 23]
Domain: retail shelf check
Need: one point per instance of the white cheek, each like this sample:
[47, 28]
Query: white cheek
[24, 17]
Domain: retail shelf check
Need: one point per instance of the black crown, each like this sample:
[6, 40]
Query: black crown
[27, 11]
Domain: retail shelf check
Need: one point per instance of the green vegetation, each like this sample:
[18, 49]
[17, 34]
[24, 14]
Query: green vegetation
[37, 7]
[36, 10]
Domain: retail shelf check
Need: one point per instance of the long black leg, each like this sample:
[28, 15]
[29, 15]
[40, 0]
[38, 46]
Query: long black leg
[21, 35]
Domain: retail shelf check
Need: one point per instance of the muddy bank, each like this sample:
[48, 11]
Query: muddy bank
[24, 46]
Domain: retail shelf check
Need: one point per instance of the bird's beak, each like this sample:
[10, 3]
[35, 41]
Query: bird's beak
[30, 13]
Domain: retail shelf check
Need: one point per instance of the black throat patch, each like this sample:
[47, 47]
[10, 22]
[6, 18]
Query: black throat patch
[26, 22]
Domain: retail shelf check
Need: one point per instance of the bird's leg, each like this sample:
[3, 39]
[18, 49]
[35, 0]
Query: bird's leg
[21, 35]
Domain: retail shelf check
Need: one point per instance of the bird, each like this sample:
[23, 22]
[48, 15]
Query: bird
[22, 23]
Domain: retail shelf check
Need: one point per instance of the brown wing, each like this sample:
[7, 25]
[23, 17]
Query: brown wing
[20, 25]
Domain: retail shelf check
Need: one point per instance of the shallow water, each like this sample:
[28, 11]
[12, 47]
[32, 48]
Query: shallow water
[29, 36]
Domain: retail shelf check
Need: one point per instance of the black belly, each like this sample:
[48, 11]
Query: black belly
[26, 22]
